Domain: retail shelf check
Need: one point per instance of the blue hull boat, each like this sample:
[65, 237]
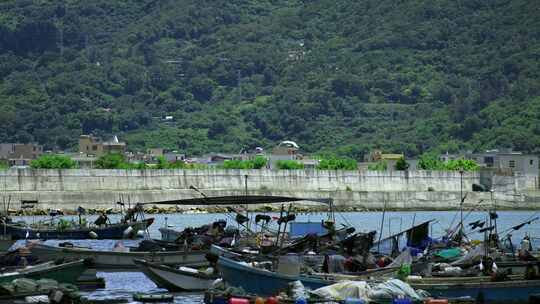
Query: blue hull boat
[114, 231]
[260, 281]
[513, 291]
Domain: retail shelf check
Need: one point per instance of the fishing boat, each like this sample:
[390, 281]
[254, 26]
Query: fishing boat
[261, 281]
[176, 279]
[117, 259]
[515, 290]
[168, 234]
[21, 231]
[64, 273]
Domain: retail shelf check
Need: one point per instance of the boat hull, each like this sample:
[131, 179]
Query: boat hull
[174, 279]
[492, 292]
[115, 231]
[168, 234]
[262, 282]
[5, 245]
[63, 273]
[118, 260]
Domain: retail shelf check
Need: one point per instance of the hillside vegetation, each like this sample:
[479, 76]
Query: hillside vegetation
[341, 76]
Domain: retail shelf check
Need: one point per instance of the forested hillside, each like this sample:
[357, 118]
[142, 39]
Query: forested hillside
[334, 75]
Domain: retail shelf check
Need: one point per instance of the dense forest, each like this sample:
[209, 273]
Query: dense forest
[341, 76]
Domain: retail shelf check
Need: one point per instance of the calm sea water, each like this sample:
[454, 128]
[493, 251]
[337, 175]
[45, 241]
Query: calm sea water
[124, 284]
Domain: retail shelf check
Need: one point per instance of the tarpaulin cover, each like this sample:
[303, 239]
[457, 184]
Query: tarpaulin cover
[343, 290]
[298, 229]
[392, 289]
[449, 254]
[361, 290]
[474, 255]
[404, 258]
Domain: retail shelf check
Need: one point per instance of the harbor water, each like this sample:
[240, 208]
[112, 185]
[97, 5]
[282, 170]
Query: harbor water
[123, 284]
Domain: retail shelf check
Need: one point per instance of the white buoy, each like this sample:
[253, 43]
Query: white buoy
[92, 235]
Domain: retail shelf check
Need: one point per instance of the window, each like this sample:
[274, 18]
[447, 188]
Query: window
[531, 162]
[488, 160]
[94, 148]
[512, 163]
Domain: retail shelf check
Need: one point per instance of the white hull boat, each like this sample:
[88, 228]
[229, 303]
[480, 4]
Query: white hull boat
[176, 279]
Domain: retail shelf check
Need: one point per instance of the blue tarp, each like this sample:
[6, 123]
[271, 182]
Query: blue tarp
[300, 229]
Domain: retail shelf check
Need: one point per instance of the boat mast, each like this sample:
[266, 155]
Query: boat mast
[382, 226]
[461, 230]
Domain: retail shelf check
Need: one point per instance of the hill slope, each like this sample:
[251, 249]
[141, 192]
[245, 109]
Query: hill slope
[342, 76]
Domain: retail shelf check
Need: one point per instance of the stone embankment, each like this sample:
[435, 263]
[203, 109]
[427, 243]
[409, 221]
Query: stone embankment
[99, 190]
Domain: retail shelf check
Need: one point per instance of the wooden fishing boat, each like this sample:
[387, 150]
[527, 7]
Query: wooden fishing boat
[63, 273]
[263, 282]
[175, 279]
[515, 290]
[118, 259]
[168, 234]
[112, 231]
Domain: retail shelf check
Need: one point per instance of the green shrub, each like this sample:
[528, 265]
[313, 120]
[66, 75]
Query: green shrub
[430, 161]
[461, 164]
[257, 163]
[183, 165]
[378, 166]
[401, 164]
[162, 163]
[50, 161]
[112, 161]
[289, 165]
[337, 164]
[4, 165]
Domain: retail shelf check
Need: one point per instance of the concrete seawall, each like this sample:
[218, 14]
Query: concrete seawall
[68, 189]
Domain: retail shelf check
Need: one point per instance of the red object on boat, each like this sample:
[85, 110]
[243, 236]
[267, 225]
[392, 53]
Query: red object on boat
[436, 301]
[238, 301]
[272, 300]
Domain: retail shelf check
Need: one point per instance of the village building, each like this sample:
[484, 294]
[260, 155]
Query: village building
[501, 161]
[18, 154]
[91, 145]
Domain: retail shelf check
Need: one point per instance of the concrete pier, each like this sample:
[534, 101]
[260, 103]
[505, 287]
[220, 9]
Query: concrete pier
[91, 188]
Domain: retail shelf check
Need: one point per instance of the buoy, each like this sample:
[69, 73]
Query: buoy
[238, 301]
[436, 301]
[92, 235]
[272, 300]
[259, 300]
